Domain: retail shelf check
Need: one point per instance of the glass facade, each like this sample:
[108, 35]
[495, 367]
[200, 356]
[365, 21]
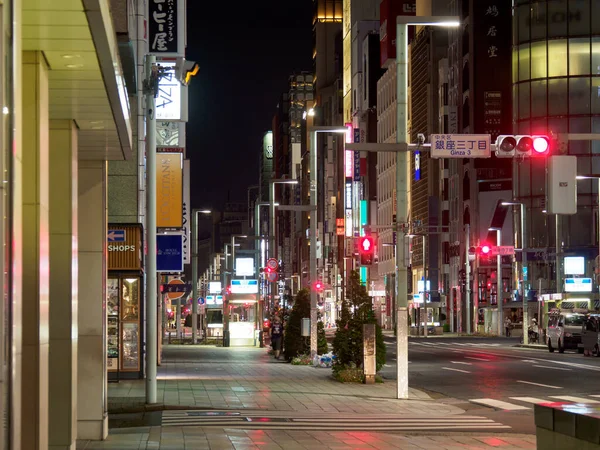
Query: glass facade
[556, 89]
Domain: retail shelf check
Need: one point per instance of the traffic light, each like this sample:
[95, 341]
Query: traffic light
[366, 249]
[318, 286]
[484, 250]
[509, 146]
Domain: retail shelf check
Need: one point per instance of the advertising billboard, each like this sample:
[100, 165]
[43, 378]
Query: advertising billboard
[388, 11]
[169, 253]
[244, 267]
[124, 246]
[169, 190]
[166, 27]
[171, 101]
[187, 224]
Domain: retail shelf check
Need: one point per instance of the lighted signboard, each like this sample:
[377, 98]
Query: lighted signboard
[169, 190]
[168, 101]
[578, 285]
[244, 286]
[574, 265]
[214, 287]
[244, 267]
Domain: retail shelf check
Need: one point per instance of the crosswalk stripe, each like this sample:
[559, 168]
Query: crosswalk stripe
[497, 404]
[539, 384]
[387, 422]
[455, 370]
[569, 398]
[478, 359]
[529, 399]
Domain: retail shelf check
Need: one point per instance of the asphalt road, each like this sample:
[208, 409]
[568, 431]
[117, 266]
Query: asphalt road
[494, 376]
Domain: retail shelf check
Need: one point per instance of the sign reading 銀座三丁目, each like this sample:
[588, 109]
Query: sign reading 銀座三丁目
[460, 146]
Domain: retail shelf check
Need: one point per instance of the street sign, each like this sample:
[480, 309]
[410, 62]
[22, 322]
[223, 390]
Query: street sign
[460, 145]
[272, 276]
[503, 250]
[115, 236]
[272, 263]
[176, 289]
[201, 300]
[169, 254]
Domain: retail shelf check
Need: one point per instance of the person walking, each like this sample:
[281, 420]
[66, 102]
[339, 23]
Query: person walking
[276, 334]
[507, 326]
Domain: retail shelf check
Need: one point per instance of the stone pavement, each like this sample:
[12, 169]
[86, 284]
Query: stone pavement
[248, 380]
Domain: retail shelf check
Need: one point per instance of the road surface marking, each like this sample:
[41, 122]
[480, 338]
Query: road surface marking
[539, 384]
[478, 359]
[595, 395]
[569, 398]
[550, 367]
[456, 370]
[462, 362]
[499, 404]
[529, 399]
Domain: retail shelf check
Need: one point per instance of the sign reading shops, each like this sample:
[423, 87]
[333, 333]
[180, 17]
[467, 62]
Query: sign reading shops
[124, 246]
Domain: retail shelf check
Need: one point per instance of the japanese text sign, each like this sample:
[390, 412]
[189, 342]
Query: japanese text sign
[165, 27]
[460, 146]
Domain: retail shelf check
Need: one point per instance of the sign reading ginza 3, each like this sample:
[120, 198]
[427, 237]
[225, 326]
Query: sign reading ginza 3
[460, 145]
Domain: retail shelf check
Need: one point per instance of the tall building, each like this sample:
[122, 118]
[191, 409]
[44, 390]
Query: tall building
[556, 89]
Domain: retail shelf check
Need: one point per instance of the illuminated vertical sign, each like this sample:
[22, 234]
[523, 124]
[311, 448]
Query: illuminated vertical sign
[363, 216]
[417, 166]
[168, 101]
[349, 164]
[169, 190]
[348, 202]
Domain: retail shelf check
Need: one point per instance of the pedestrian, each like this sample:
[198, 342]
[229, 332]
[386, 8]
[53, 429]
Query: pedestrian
[507, 326]
[276, 334]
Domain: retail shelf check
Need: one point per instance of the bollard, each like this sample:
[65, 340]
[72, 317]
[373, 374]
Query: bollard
[369, 362]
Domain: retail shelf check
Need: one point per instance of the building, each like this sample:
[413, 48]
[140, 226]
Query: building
[66, 113]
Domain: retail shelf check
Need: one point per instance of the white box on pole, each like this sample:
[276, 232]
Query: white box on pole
[562, 185]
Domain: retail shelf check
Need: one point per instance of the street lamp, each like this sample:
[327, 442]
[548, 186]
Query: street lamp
[195, 213]
[499, 299]
[402, 165]
[524, 267]
[313, 131]
[272, 184]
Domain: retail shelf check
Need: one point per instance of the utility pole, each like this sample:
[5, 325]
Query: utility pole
[150, 91]
[468, 277]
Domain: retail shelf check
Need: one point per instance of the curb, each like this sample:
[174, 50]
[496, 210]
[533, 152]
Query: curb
[534, 346]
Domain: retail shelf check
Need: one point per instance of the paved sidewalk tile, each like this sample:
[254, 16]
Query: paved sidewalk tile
[188, 438]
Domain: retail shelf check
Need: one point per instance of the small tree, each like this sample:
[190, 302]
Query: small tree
[322, 347]
[356, 311]
[294, 343]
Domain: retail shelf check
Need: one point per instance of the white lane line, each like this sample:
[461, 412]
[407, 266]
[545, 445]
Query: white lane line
[550, 367]
[462, 362]
[498, 404]
[529, 399]
[595, 395]
[539, 384]
[456, 370]
[478, 359]
[569, 398]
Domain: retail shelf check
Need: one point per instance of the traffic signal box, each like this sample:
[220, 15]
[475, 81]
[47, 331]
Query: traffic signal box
[366, 248]
[509, 146]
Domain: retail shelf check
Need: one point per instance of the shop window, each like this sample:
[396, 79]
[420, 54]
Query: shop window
[524, 63]
[578, 17]
[557, 58]
[539, 99]
[558, 99]
[557, 18]
[539, 60]
[524, 99]
[579, 96]
[579, 56]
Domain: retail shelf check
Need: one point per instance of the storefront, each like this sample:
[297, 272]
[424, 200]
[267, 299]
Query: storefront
[124, 305]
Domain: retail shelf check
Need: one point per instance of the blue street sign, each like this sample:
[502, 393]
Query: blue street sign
[169, 253]
[115, 236]
[200, 301]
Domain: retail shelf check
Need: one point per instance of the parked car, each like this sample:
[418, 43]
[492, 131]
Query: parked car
[565, 331]
[590, 335]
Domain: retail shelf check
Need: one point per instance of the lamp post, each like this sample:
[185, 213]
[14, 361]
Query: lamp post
[590, 177]
[195, 213]
[313, 131]
[258, 259]
[524, 271]
[499, 299]
[402, 165]
[272, 184]
[228, 271]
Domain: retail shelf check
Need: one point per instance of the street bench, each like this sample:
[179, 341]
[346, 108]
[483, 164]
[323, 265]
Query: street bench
[566, 425]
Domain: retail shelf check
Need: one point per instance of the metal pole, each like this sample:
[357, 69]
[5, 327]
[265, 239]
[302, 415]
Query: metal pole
[151, 279]
[272, 245]
[194, 275]
[226, 299]
[425, 288]
[402, 165]
[313, 245]
[499, 299]
[557, 258]
[257, 241]
[468, 277]
[524, 273]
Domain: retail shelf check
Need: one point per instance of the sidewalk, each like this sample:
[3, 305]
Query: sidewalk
[220, 382]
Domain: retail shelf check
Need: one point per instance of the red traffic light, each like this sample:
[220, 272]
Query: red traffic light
[366, 244]
[318, 286]
[540, 145]
[485, 249]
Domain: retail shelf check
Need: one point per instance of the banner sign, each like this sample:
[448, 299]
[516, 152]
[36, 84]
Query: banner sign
[187, 235]
[169, 190]
[169, 254]
[166, 27]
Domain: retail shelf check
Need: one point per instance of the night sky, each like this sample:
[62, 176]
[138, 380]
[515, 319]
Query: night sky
[246, 51]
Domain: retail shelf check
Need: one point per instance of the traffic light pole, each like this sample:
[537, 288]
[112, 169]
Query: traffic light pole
[468, 277]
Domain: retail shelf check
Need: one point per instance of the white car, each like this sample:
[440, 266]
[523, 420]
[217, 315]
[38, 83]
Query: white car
[591, 335]
[564, 331]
